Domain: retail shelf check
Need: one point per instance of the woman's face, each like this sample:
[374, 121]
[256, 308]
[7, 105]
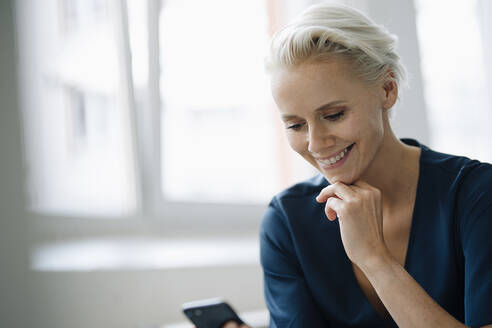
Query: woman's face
[332, 119]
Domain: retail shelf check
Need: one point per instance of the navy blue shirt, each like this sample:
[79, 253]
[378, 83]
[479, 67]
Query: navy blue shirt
[309, 280]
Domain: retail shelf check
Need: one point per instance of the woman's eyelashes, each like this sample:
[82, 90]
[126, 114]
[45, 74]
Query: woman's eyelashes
[295, 127]
[334, 117]
[331, 117]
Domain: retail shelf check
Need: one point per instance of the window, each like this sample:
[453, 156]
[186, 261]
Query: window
[133, 107]
[454, 47]
[80, 156]
[217, 140]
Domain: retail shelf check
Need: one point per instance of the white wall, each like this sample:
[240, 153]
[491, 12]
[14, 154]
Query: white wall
[485, 11]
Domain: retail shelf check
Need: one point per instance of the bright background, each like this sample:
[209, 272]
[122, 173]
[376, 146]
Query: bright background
[139, 145]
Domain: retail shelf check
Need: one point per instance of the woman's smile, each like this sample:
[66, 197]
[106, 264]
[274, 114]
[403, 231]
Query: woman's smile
[335, 160]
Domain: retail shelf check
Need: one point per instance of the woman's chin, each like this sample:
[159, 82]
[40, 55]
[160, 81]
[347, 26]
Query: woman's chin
[341, 179]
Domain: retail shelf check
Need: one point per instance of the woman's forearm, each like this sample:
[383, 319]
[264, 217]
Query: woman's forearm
[406, 301]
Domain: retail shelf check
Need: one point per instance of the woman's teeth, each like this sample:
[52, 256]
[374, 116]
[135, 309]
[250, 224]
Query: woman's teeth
[334, 159]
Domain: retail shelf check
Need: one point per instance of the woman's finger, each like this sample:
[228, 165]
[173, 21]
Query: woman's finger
[234, 324]
[330, 214]
[230, 324]
[333, 208]
[337, 189]
[362, 184]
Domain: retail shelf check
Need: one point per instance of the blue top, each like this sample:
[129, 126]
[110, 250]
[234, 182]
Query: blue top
[309, 280]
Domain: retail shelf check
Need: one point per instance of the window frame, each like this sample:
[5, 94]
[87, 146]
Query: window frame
[154, 206]
[153, 213]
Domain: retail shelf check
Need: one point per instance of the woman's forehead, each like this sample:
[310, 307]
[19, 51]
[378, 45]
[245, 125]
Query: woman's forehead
[314, 83]
[334, 72]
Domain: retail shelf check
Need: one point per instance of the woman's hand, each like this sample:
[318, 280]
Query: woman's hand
[359, 211]
[234, 324]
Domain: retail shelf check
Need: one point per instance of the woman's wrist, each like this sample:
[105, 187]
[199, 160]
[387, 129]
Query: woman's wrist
[377, 261]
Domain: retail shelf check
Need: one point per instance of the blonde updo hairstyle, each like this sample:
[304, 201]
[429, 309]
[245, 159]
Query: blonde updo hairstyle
[326, 31]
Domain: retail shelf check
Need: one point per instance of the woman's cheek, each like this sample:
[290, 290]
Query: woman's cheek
[297, 142]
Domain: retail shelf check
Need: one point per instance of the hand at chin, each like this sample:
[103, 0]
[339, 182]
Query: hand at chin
[335, 179]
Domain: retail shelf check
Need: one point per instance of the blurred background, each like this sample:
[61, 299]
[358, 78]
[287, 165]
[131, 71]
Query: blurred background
[139, 145]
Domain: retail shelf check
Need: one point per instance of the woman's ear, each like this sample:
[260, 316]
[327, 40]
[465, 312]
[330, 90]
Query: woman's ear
[389, 92]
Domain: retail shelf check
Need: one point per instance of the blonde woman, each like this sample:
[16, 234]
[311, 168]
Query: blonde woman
[390, 233]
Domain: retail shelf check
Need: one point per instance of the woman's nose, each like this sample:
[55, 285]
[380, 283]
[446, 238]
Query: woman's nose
[319, 140]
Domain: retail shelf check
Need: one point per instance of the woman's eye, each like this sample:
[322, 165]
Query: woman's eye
[295, 127]
[334, 117]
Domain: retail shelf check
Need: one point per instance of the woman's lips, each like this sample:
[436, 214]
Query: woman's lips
[335, 160]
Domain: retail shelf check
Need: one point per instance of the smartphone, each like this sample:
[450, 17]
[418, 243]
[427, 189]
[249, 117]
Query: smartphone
[210, 313]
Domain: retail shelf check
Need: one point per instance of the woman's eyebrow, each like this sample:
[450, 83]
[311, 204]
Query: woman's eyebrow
[329, 105]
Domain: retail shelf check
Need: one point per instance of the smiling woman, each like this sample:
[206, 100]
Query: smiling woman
[346, 110]
[406, 240]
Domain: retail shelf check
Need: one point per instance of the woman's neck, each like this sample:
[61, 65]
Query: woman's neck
[394, 171]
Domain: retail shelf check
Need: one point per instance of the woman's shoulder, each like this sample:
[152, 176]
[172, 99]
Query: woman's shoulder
[451, 164]
[461, 171]
[466, 182]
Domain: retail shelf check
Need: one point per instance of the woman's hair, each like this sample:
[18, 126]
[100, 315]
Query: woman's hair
[327, 31]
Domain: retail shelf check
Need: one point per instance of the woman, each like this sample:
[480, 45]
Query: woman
[391, 232]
